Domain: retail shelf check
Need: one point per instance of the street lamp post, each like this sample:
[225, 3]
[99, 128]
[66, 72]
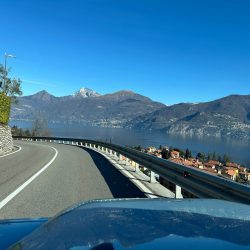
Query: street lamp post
[5, 66]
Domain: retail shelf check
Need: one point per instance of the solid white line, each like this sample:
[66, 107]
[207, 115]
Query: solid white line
[25, 184]
[20, 148]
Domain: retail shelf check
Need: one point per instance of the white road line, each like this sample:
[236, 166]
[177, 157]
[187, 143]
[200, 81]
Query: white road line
[20, 148]
[25, 184]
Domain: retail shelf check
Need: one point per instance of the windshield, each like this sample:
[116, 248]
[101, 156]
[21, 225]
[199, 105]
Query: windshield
[110, 99]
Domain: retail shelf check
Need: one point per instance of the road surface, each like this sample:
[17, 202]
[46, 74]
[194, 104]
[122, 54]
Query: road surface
[43, 179]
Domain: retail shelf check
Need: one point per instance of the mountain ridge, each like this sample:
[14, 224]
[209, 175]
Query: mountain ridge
[109, 110]
[225, 117]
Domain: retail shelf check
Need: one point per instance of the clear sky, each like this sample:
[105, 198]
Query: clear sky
[171, 51]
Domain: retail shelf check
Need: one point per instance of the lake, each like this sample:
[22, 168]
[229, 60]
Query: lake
[239, 151]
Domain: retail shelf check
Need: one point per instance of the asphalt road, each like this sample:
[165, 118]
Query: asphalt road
[74, 175]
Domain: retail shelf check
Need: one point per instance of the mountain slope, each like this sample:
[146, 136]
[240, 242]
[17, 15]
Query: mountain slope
[227, 117]
[112, 110]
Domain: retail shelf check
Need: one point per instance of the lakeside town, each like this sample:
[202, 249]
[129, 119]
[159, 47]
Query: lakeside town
[211, 163]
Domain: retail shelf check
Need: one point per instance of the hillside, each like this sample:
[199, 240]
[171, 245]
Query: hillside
[226, 117]
[112, 110]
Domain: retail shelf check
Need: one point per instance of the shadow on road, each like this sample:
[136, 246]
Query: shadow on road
[119, 185]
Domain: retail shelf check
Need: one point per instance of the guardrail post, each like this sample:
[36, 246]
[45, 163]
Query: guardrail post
[117, 157]
[120, 157]
[136, 167]
[127, 161]
[152, 177]
[178, 194]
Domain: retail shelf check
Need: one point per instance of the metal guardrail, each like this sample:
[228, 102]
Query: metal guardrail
[197, 182]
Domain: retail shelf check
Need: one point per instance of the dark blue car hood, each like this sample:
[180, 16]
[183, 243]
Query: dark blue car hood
[145, 224]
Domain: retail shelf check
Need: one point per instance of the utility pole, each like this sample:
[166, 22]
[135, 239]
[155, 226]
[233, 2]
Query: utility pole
[5, 67]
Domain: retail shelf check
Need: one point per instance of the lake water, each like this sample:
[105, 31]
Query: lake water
[239, 151]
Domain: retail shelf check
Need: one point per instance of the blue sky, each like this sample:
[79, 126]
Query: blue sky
[172, 51]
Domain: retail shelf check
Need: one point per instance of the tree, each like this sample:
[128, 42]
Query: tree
[9, 86]
[169, 152]
[40, 128]
[27, 133]
[214, 157]
[209, 157]
[219, 158]
[15, 131]
[188, 154]
[165, 153]
[201, 157]
[225, 159]
[182, 153]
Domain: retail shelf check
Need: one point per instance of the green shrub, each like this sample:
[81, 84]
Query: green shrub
[4, 108]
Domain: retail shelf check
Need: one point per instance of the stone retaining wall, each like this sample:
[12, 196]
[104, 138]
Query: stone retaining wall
[6, 142]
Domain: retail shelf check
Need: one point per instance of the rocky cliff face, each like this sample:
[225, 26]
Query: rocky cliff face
[6, 142]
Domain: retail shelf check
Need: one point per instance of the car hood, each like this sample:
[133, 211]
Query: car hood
[145, 224]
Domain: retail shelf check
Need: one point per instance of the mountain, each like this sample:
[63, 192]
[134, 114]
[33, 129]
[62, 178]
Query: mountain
[85, 107]
[227, 117]
[86, 92]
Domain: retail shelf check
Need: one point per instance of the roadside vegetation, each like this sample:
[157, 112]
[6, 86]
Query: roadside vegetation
[39, 128]
[10, 88]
